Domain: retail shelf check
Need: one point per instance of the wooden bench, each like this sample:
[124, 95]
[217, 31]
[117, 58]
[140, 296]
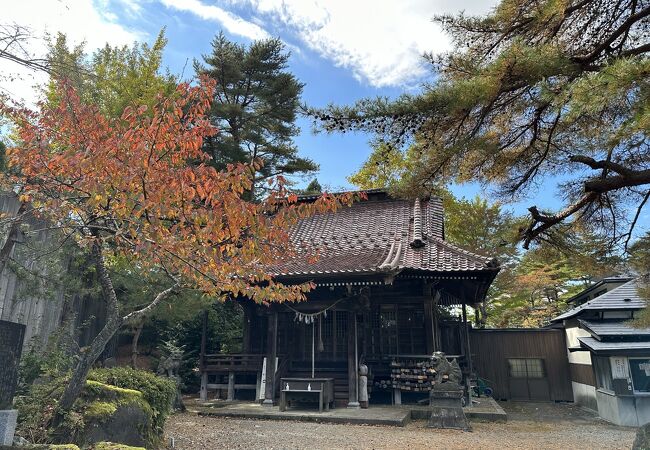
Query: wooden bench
[305, 389]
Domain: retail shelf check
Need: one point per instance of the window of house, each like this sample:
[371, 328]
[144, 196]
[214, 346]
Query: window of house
[526, 367]
[603, 372]
[640, 372]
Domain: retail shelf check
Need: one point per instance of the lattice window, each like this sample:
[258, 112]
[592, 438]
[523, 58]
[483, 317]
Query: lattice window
[410, 323]
[526, 367]
[388, 321]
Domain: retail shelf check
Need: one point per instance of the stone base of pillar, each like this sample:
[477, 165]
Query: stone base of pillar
[446, 402]
[8, 418]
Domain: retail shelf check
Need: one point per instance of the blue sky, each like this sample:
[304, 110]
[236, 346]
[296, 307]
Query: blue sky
[330, 76]
[343, 50]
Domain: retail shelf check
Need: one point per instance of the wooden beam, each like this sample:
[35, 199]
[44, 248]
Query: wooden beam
[271, 355]
[353, 382]
[235, 386]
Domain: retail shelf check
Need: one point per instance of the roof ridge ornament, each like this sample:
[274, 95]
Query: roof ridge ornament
[394, 255]
[418, 240]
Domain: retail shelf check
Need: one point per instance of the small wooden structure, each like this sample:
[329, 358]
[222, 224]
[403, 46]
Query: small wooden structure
[523, 364]
[300, 390]
[388, 286]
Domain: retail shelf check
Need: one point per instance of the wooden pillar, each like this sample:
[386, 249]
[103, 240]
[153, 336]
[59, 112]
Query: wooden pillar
[258, 386]
[468, 358]
[204, 375]
[353, 361]
[428, 324]
[468, 351]
[204, 387]
[231, 386]
[271, 355]
[435, 317]
[246, 344]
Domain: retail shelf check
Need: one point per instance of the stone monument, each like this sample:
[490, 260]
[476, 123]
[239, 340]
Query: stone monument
[11, 344]
[446, 396]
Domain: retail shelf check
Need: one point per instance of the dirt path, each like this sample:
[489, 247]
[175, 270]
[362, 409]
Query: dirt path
[194, 432]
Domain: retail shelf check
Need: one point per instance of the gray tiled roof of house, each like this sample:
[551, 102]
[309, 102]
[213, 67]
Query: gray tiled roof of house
[600, 346]
[624, 297]
[606, 329]
[614, 279]
[380, 234]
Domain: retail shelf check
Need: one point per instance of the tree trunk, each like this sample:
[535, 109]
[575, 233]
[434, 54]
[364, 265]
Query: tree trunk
[134, 344]
[113, 323]
[12, 237]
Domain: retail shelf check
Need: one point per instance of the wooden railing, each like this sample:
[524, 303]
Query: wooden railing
[232, 363]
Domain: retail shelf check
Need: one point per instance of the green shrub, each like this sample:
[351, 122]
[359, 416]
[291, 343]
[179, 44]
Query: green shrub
[36, 409]
[105, 391]
[159, 392]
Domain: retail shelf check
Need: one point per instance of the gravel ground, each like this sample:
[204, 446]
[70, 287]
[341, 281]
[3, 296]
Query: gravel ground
[534, 426]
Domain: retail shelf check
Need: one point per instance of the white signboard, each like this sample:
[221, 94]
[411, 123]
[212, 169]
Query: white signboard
[263, 380]
[263, 377]
[620, 370]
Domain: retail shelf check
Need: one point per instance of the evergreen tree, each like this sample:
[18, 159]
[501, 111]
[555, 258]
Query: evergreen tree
[254, 107]
[312, 188]
[535, 89]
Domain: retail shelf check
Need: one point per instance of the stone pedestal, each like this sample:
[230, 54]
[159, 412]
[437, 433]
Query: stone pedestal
[8, 419]
[446, 402]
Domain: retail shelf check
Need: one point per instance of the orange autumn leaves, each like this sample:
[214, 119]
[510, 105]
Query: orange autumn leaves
[141, 184]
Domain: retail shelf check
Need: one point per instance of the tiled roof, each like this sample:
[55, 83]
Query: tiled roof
[607, 329]
[624, 297]
[598, 346]
[615, 279]
[379, 234]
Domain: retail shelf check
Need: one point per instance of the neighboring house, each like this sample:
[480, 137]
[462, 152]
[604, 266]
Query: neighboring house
[598, 288]
[608, 359]
[388, 288]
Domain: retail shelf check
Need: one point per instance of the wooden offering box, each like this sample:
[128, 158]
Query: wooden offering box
[307, 390]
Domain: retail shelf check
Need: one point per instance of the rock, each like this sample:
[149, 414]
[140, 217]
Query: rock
[116, 415]
[113, 446]
[642, 439]
[125, 426]
[8, 419]
[20, 441]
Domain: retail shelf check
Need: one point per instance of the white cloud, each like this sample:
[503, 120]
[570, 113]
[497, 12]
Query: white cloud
[80, 20]
[382, 42]
[231, 22]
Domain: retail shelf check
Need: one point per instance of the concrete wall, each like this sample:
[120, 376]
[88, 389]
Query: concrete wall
[629, 411]
[583, 394]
